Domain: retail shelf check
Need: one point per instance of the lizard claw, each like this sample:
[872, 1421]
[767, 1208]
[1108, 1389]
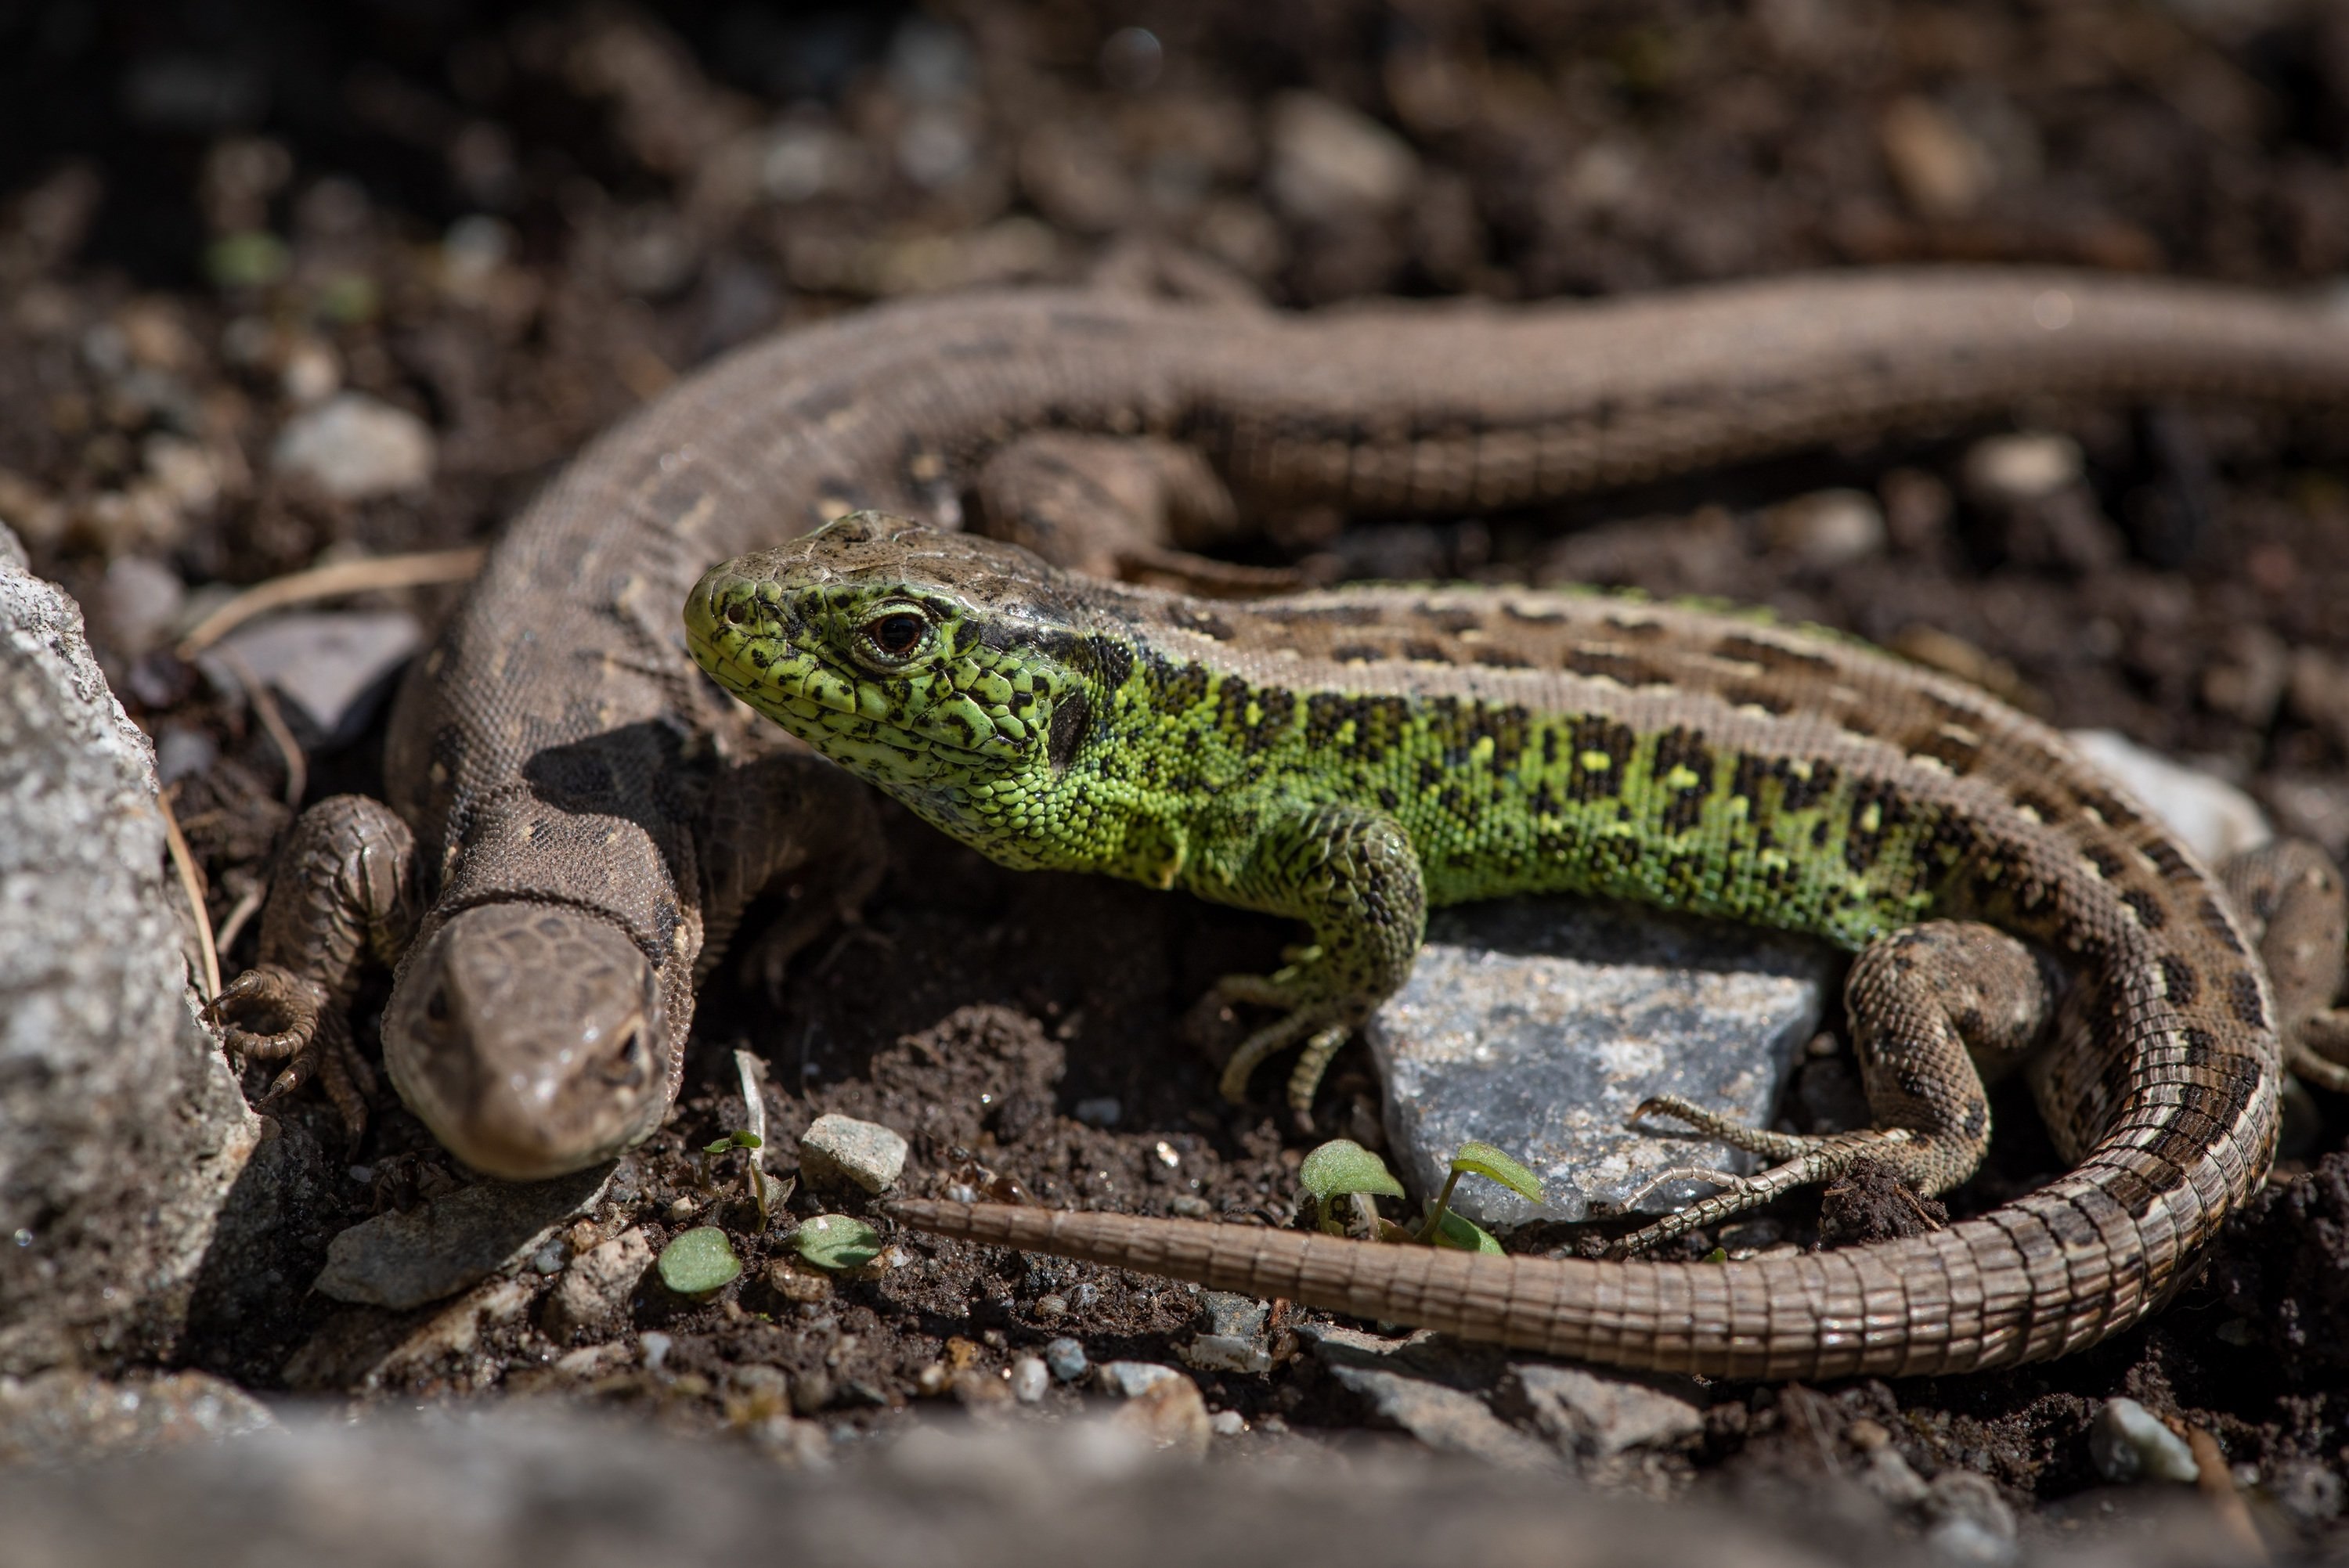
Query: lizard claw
[270, 1014]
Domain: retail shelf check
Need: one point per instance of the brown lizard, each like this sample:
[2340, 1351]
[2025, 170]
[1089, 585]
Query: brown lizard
[579, 794]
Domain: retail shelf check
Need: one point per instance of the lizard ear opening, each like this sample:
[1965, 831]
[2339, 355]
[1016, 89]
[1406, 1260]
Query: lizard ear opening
[1071, 717]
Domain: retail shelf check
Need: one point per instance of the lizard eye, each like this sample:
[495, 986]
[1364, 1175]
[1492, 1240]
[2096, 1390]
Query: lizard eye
[895, 635]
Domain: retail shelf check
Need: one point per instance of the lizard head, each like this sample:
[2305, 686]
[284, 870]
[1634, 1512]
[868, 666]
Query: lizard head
[941, 666]
[531, 1039]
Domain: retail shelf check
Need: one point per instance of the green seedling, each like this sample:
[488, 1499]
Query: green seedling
[698, 1262]
[1443, 1228]
[837, 1243]
[1344, 1169]
[752, 1176]
[1340, 1169]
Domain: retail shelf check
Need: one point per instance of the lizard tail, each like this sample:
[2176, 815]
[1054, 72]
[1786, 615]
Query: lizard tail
[2010, 1286]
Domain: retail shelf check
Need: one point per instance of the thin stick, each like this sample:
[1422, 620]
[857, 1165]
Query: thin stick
[192, 884]
[377, 573]
[246, 907]
[265, 708]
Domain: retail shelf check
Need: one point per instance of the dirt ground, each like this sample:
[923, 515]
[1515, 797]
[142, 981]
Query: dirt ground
[517, 222]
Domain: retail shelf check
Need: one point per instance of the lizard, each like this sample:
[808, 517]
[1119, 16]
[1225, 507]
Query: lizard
[572, 825]
[1352, 757]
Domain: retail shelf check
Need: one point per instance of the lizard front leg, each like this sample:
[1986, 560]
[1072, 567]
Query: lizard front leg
[1354, 877]
[1931, 1005]
[344, 891]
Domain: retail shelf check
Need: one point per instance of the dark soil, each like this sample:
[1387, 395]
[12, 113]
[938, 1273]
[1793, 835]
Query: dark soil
[519, 222]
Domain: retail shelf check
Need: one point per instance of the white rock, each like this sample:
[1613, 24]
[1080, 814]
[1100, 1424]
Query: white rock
[2216, 819]
[2026, 466]
[2127, 1442]
[355, 448]
[837, 1150]
[1128, 1378]
[1329, 162]
[1029, 1379]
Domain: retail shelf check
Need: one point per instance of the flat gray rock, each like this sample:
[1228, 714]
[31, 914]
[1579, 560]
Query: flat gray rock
[1536, 1024]
[436, 1249]
[121, 1129]
[335, 668]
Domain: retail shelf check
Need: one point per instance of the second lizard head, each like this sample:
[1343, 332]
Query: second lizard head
[955, 671]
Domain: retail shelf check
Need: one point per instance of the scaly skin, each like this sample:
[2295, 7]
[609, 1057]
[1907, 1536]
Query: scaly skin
[577, 794]
[1351, 758]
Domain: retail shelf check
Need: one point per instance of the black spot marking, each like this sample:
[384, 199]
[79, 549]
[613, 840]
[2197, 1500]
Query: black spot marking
[1956, 753]
[1609, 664]
[1800, 793]
[1682, 747]
[1069, 720]
[2179, 980]
[2244, 999]
[2147, 908]
[2106, 861]
[1752, 650]
[1113, 660]
[1752, 695]
[1358, 653]
[1424, 652]
[1196, 618]
[2214, 920]
[1493, 658]
[1594, 736]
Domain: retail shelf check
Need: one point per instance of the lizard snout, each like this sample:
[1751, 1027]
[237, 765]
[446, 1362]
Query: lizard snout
[531, 1039]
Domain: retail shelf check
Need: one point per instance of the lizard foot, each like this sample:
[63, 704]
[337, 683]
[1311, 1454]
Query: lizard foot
[270, 1014]
[1804, 1161]
[1323, 1026]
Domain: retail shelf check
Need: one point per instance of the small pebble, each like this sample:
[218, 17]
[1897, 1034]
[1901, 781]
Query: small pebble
[842, 1151]
[1828, 528]
[355, 448]
[1066, 1359]
[1226, 1423]
[1191, 1206]
[1325, 161]
[1029, 1379]
[679, 1208]
[1084, 1298]
[1128, 1378]
[2022, 467]
[657, 1347]
[1051, 1309]
[2127, 1442]
[550, 1258]
[1105, 1111]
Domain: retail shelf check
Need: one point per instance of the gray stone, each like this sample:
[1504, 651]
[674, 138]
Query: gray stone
[1066, 1357]
[1429, 1387]
[595, 1289]
[2127, 1442]
[333, 668]
[63, 1416]
[122, 1130]
[355, 448]
[1598, 1414]
[1538, 1024]
[1231, 1333]
[1968, 1521]
[2216, 819]
[436, 1249]
[839, 1150]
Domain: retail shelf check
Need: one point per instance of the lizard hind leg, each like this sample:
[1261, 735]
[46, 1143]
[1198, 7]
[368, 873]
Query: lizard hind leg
[1931, 1005]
